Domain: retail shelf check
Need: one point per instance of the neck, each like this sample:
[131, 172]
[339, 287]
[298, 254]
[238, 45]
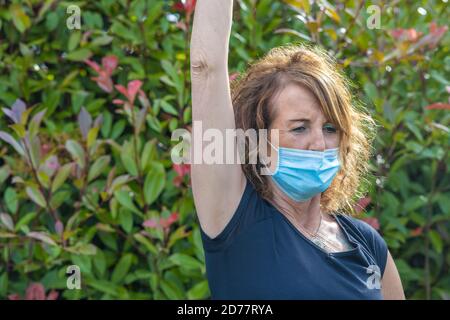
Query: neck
[304, 214]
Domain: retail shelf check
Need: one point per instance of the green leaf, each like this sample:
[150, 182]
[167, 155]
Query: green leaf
[77, 152]
[36, 196]
[370, 90]
[147, 243]
[25, 220]
[106, 125]
[125, 200]
[185, 261]
[118, 182]
[74, 40]
[11, 141]
[126, 33]
[92, 136]
[154, 182]
[84, 262]
[19, 129]
[35, 123]
[4, 284]
[83, 249]
[415, 202]
[129, 163]
[147, 153]
[11, 202]
[436, 240]
[7, 235]
[52, 21]
[4, 173]
[170, 290]
[7, 221]
[79, 55]
[178, 234]
[98, 167]
[126, 220]
[20, 19]
[199, 291]
[167, 107]
[122, 267]
[100, 262]
[61, 176]
[41, 236]
[103, 286]
[102, 41]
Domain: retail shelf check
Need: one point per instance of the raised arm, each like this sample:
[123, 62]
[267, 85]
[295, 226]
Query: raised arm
[217, 188]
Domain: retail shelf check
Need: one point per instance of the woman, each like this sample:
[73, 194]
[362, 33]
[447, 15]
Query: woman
[282, 235]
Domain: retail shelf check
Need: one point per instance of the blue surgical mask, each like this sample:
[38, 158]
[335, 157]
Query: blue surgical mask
[301, 174]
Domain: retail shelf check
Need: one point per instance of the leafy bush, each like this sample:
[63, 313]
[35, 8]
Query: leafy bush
[85, 172]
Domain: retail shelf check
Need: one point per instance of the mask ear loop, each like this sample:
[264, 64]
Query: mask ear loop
[272, 145]
[278, 160]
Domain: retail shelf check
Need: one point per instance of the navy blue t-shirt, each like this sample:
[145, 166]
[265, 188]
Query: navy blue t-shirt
[261, 255]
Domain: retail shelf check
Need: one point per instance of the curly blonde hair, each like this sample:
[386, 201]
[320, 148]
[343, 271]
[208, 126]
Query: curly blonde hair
[252, 96]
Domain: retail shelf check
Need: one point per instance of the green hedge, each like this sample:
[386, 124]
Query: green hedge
[85, 172]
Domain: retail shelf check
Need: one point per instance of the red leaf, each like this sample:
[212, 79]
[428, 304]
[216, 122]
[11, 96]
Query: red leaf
[362, 204]
[104, 82]
[59, 227]
[110, 63]
[122, 90]
[53, 295]
[411, 35]
[173, 217]
[417, 232]
[151, 223]
[167, 222]
[373, 222]
[436, 30]
[133, 88]
[189, 6]
[35, 291]
[164, 223]
[93, 65]
[179, 6]
[182, 169]
[435, 34]
[181, 25]
[177, 181]
[118, 101]
[233, 76]
[438, 105]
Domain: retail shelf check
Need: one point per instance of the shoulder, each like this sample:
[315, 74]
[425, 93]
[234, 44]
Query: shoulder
[369, 238]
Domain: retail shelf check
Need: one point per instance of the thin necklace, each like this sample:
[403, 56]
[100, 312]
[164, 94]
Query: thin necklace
[313, 235]
[320, 224]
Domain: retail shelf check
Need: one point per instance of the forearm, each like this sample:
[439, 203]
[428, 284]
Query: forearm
[211, 33]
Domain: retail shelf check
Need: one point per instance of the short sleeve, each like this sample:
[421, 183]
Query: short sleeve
[248, 212]
[376, 243]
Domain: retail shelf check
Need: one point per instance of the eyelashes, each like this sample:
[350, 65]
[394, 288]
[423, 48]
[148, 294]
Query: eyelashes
[329, 129]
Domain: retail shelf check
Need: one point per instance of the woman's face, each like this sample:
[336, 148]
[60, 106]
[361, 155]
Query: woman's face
[301, 122]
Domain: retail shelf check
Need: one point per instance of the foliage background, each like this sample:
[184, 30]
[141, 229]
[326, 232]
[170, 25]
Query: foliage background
[89, 181]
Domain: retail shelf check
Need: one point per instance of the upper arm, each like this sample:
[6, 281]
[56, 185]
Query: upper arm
[217, 188]
[391, 284]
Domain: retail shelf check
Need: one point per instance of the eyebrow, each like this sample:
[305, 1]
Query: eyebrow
[305, 120]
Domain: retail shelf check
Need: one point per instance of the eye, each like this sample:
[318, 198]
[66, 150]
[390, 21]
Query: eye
[330, 128]
[299, 129]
